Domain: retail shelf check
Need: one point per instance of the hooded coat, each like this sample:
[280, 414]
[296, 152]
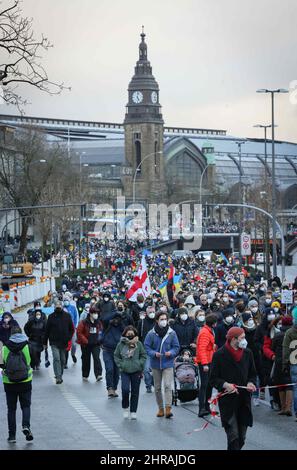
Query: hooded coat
[16, 343]
[5, 329]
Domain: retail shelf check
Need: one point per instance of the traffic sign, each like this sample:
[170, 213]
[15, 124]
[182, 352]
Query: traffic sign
[246, 244]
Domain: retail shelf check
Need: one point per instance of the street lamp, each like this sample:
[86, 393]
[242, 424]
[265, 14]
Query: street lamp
[239, 144]
[138, 169]
[272, 93]
[201, 178]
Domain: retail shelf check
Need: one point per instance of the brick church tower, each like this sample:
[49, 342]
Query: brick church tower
[144, 134]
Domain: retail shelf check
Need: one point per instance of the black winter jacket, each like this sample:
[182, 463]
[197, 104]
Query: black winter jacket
[225, 369]
[59, 329]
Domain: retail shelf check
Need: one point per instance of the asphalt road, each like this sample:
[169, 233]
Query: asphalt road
[78, 415]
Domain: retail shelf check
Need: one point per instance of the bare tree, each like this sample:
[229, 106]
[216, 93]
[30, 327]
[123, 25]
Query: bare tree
[21, 56]
[34, 171]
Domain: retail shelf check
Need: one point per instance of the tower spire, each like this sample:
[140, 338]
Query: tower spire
[142, 46]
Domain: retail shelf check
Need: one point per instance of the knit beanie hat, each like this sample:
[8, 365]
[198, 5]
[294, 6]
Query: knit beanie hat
[234, 332]
[287, 321]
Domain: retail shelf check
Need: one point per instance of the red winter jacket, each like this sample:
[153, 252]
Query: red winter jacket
[83, 331]
[267, 351]
[205, 346]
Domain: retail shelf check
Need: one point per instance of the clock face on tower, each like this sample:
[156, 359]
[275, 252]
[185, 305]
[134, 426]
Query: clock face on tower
[137, 97]
[154, 97]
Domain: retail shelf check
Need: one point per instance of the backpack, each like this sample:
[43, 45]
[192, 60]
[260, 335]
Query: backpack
[16, 368]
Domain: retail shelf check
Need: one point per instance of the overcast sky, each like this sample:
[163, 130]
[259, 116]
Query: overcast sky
[208, 56]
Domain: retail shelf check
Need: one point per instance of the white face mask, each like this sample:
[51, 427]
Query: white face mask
[229, 320]
[95, 316]
[38, 317]
[151, 315]
[141, 305]
[271, 317]
[254, 309]
[276, 309]
[6, 320]
[201, 318]
[268, 301]
[226, 299]
[184, 317]
[242, 343]
[66, 303]
[240, 293]
[142, 317]
[163, 323]
[250, 323]
[155, 300]
[106, 299]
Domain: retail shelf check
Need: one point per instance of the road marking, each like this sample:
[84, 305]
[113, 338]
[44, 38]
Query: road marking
[96, 423]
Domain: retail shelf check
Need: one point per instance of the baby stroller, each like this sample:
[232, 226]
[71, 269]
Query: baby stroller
[186, 378]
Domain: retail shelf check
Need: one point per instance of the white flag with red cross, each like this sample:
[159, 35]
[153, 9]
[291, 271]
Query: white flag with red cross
[141, 283]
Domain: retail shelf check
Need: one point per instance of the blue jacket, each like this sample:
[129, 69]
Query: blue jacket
[154, 343]
[72, 310]
[112, 336]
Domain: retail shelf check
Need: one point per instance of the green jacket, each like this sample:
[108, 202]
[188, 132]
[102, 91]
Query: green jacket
[289, 348]
[133, 364]
[16, 343]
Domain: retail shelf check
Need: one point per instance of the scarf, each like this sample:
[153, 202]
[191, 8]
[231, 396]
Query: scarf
[161, 331]
[236, 354]
[129, 347]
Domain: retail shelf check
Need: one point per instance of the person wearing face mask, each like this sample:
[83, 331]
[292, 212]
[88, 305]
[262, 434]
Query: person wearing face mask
[204, 353]
[126, 317]
[254, 308]
[88, 337]
[289, 353]
[203, 302]
[249, 325]
[185, 329]
[241, 295]
[136, 307]
[294, 304]
[85, 312]
[130, 357]
[280, 376]
[146, 323]
[268, 355]
[72, 310]
[162, 346]
[224, 326]
[200, 320]
[226, 302]
[265, 302]
[191, 306]
[7, 322]
[35, 330]
[232, 365]
[58, 331]
[276, 307]
[111, 337]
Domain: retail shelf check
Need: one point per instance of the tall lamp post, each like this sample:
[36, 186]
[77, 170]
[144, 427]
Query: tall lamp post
[274, 253]
[239, 144]
[138, 168]
[267, 244]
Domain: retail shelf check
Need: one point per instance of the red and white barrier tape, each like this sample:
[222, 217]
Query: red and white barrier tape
[213, 402]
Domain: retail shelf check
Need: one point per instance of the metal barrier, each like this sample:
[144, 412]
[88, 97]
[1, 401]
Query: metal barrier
[24, 293]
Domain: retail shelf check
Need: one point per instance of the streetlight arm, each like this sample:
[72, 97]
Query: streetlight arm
[137, 168]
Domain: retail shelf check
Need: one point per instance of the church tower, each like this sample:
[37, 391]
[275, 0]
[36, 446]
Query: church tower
[144, 134]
